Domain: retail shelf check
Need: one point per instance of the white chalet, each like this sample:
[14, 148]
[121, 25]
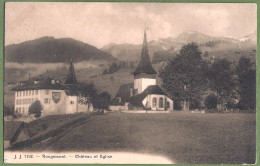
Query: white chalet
[55, 97]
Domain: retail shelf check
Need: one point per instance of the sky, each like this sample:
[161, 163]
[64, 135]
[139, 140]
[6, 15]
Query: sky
[99, 24]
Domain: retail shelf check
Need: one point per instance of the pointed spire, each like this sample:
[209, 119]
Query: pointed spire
[71, 78]
[144, 65]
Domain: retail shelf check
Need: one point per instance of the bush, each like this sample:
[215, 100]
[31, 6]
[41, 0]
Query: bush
[36, 109]
[8, 111]
[211, 102]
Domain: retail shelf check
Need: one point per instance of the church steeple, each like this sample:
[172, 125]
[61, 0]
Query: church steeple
[71, 77]
[144, 66]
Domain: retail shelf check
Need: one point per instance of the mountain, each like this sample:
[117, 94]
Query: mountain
[249, 38]
[130, 52]
[219, 46]
[50, 50]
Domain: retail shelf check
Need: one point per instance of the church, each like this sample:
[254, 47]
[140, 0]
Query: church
[54, 96]
[143, 93]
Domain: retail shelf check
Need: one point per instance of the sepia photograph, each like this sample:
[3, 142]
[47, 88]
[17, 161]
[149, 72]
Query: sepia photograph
[130, 83]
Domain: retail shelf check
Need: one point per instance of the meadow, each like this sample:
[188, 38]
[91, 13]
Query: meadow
[182, 137]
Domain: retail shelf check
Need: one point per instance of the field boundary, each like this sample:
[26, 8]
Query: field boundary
[51, 133]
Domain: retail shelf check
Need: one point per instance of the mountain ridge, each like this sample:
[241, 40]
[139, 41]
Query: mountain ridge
[48, 49]
[131, 52]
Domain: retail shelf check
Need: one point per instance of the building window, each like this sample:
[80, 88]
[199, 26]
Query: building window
[154, 102]
[17, 102]
[46, 101]
[161, 102]
[168, 105]
[23, 101]
[23, 93]
[36, 92]
[29, 92]
[23, 111]
[32, 92]
[17, 93]
[20, 93]
[71, 102]
[46, 92]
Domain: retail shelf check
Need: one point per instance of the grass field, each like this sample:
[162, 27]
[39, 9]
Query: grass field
[181, 137]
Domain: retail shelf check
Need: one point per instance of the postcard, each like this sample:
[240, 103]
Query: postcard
[130, 83]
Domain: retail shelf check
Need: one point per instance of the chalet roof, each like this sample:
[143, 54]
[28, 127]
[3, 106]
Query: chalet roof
[144, 65]
[124, 93]
[40, 83]
[11, 128]
[152, 89]
[71, 77]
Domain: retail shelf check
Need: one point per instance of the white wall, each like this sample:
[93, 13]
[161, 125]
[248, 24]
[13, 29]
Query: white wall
[148, 102]
[45, 97]
[23, 100]
[71, 104]
[142, 83]
[50, 107]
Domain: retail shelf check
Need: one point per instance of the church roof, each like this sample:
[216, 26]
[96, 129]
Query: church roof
[124, 93]
[71, 78]
[144, 65]
[152, 89]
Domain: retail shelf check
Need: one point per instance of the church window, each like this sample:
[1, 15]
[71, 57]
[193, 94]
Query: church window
[161, 102]
[154, 102]
[168, 105]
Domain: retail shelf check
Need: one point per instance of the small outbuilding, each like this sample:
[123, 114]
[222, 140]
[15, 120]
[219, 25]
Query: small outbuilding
[14, 131]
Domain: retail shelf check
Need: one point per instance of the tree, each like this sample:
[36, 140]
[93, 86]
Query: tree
[36, 109]
[206, 54]
[105, 72]
[183, 76]
[87, 91]
[8, 111]
[221, 80]
[247, 84]
[102, 101]
[211, 102]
